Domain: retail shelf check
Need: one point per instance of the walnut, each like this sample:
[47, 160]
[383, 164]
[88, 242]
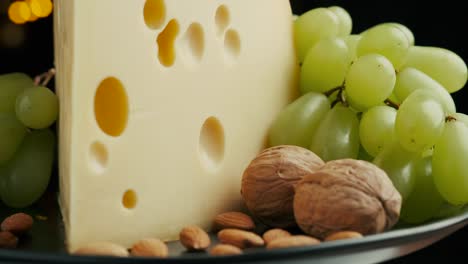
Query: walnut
[268, 183]
[346, 194]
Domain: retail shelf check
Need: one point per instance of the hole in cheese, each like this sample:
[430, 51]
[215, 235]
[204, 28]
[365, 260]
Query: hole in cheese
[232, 44]
[154, 13]
[129, 199]
[211, 145]
[222, 18]
[194, 42]
[166, 43]
[99, 157]
[111, 107]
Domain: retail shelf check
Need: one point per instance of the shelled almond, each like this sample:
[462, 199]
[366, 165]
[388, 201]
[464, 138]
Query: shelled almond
[293, 241]
[150, 247]
[17, 224]
[13, 227]
[240, 238]
[194, 238]
[343, 235]
[235, 220]
[275, 233]
[225, 250]
[8, 240]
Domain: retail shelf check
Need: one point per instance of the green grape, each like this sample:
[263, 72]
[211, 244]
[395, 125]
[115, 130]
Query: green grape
[409, 35]
[12, 133]
[410, 79]
[352, 42]
[427, 152]
[424, 201]
[346, 23]
[325, 66]
[376, 128]
[394, 98]
[449, 163]
[448, 210]
[11, 85]
[337, 136]
[363, 155]
[386, 40]
[461, 117]
[25, 178]
[298, 121]
[419, 121]
[442, 65]
[37, 107]
[312, 26]
[370, 80]
[333, 97]
[399, 165]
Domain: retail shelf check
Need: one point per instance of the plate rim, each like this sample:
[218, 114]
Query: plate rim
[412, 233]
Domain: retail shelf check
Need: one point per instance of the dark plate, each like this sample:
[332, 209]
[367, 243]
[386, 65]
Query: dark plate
[45, 244]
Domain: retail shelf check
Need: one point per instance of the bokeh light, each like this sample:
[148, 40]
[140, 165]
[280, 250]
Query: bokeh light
[40, 8]
[19, 12]
[24, 11]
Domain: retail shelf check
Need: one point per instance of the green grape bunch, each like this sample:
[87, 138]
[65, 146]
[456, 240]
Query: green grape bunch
[377, 95]
[28, 109]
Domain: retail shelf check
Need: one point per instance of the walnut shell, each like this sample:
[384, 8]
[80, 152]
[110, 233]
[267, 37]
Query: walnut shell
[268, 183]
[346, 194]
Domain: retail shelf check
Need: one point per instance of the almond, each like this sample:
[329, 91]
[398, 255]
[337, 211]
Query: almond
[8, 240]
[343, 235]
[193, 238]
[293, 241]
[275, 233]
[240, 238]
[235, 220]
[102, 249]
[225, 250]
[17, 224]
[150, 247]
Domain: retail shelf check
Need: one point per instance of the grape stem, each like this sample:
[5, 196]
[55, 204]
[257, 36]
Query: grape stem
[450, 119]
[392, 104]
[44, 79]
[343, 98]
[333, 90]
[340, 98]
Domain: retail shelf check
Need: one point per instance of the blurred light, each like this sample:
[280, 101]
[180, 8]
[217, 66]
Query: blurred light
[40, 8]
[19, 12]
[22, 11]
[33, 17]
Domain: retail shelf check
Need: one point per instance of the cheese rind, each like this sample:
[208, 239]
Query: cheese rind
[192, 125]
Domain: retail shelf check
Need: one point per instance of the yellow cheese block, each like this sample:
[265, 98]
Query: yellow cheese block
[163, 105]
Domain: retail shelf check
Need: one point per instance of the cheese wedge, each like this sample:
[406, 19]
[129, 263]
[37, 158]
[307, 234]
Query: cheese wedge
[163, 105]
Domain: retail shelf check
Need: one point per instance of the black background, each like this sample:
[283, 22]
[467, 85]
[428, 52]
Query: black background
[434, 23]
